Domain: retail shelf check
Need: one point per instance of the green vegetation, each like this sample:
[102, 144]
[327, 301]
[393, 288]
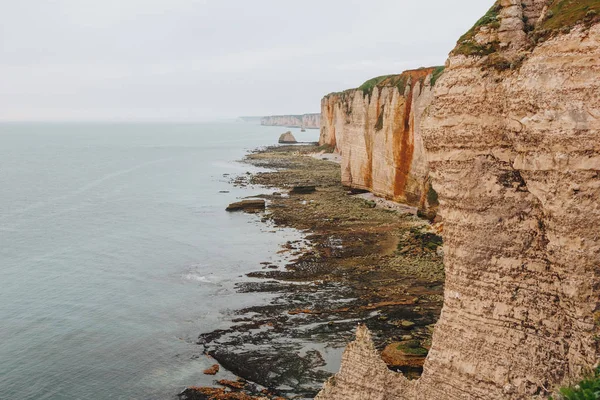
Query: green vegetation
[369, 203]
[490, 18]
[432, 196]
[561, 17]
[420, 240]
[368, 86]
[468, 46]
[412, 347]
[498, 62]
[399, 81]
[471, 48]
[564, 14]
[587, 389]
[437, 72]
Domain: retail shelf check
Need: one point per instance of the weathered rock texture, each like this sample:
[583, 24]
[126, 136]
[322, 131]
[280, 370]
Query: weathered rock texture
[513, 143]
[287, 138]
[375, 129]
[308, 121]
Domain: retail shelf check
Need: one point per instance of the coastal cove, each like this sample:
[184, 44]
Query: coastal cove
[117, 252]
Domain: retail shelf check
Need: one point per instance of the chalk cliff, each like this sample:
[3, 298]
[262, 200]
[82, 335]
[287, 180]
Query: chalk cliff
[376, 130]
[512, 137]
[308, 121]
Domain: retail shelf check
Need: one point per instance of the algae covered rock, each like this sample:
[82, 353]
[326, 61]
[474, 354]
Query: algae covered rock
[404, 354]
[250, 205]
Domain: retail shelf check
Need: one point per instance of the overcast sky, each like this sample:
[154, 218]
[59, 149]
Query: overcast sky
[187, 60]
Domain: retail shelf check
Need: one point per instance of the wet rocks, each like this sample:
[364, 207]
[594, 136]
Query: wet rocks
[347, 269]
[249, 205]
[238, 385]
[206, 393]
[287, 138]
[303, 189]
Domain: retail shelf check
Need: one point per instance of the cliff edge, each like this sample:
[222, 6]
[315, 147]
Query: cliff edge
[376, 130]
[512, 139]
[308, 121]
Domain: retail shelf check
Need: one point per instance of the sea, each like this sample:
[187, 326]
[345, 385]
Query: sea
[116, 252]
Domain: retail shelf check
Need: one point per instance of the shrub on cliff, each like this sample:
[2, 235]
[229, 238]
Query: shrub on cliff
[567, 13]
[468, 46]
[587, 389]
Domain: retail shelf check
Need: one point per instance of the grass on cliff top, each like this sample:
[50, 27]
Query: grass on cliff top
[467, 45]
[587, 389]
[395, 80]
[401, 80]
[564, 14]
[368, 86]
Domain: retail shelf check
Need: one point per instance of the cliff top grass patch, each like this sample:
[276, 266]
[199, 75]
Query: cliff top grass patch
[344, 93]
[564, 14]
[368, 86]
[467, 45]
[400, 80]
[394, 80]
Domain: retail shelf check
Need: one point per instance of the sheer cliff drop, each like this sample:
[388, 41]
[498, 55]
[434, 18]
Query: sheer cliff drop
[513, 142]
[310, 121]
[376, 130]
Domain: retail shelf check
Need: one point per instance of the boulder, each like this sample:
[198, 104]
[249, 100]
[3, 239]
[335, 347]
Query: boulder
[247, 205]
[287, 138]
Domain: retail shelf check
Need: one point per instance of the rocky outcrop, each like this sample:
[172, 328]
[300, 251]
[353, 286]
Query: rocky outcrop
[249, 205]
[287, 138]
[513, 143]
[376, 130]
[308, 121]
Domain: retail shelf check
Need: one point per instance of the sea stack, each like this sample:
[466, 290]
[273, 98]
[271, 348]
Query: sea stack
[287, 138]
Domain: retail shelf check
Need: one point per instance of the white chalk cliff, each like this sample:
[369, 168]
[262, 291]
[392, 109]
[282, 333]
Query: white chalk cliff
[512, 140]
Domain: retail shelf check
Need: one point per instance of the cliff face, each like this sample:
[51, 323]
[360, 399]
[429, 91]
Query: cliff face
[376, 130]
[513, 142]
[309, 121]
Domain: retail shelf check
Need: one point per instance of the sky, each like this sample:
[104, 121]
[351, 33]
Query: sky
[194, 60]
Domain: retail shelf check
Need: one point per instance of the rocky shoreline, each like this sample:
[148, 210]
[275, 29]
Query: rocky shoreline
[358, 264]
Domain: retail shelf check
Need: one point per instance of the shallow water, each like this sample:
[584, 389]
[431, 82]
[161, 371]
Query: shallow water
[116, 252]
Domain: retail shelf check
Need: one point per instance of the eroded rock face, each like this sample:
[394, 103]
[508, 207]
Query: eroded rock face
[377, 133]
[514, 153]
[310, 121]
[287, 138]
